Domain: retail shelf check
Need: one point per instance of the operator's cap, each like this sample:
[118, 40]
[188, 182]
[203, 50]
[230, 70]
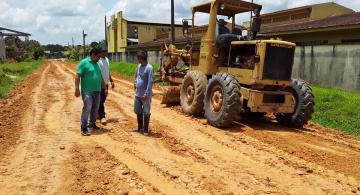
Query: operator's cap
[222, 22]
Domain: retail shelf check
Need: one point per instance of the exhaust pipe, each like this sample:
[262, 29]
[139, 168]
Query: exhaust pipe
[172, 22]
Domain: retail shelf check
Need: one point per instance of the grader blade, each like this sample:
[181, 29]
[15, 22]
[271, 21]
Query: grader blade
[171, 95]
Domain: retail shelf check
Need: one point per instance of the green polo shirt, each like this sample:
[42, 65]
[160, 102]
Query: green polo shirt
[90, 73]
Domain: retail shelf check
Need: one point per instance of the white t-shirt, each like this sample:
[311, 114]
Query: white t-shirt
[105, 69]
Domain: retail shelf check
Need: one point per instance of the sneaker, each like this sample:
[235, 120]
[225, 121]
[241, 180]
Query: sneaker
[146, 133]
[103, 121]
[94, 127]
[85, 132]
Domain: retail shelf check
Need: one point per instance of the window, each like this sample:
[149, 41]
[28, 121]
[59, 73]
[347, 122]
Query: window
[266, 21]
[300, 16]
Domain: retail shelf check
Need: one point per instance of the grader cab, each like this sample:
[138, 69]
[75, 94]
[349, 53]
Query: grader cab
[229, 74]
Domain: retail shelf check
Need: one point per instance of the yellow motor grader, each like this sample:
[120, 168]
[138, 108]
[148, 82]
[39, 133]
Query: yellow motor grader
[228, 74]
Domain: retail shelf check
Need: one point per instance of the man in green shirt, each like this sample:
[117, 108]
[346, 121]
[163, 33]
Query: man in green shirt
[89, 74]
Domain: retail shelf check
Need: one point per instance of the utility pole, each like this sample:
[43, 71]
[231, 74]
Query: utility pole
[172, 22]
[84, 49]
[105, 32]
[72, 42]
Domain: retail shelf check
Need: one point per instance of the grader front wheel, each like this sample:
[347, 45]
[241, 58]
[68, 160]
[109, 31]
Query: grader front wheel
[304, 99]
[192, 93]
[222, 100]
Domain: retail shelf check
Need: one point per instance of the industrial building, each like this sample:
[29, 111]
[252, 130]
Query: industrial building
[319, 24]
[122, 32]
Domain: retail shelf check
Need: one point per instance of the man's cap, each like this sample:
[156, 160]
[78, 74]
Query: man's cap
[222, 22]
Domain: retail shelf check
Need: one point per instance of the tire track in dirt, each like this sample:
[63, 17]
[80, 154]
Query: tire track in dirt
[286, 173]
[121, 150]
[297, 172]
[217, 135]
[24, 170]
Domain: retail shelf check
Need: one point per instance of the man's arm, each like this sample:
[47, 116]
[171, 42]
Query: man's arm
[136, 72]
[150, 83]
[111, 81]
[77, 84]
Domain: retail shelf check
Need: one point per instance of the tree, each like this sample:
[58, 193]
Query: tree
[23, 50]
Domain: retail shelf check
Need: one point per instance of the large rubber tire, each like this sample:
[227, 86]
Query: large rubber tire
[229, 89]
[192, 93]
[304, 108]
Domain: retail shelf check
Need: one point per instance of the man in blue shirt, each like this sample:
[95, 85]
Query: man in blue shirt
[144, 78]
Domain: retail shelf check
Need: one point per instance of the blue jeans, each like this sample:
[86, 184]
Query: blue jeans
[142, 107]
[91, 106]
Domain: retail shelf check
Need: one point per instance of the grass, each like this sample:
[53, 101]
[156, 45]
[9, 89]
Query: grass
[126, 69]
[336, 108]
[11, 74]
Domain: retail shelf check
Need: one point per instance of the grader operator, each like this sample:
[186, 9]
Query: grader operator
[228, 74]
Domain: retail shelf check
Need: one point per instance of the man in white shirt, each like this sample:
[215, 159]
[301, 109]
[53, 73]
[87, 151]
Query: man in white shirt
[105, 70]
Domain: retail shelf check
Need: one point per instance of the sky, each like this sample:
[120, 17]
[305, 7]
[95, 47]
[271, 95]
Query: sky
[58, 21]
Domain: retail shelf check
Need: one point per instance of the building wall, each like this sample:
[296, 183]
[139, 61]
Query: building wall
[330, 36]
[120, 29]
[315, 12]
[335, 66]
[328, 9]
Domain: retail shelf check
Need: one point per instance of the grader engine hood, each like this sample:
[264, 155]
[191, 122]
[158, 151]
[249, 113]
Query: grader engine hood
[279, 60]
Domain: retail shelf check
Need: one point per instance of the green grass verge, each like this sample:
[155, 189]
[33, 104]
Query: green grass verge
[126, 69]
[337, 108]
[334, 108]
[10, 74]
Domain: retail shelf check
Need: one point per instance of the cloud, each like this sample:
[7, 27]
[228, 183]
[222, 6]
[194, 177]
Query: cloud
[57, 21]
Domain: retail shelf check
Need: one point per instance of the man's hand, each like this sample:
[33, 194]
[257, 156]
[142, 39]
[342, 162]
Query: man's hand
[144, 98]
[77, 92]
[112, 84]
[106, 92]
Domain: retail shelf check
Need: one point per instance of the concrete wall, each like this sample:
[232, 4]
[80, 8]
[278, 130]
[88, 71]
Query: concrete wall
[131, 57]
[329, 65]
[326, 65]
[2, 49]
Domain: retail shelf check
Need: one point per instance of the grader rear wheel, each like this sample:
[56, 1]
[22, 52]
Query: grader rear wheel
[192, 93]
[222, 100]
[304, 99]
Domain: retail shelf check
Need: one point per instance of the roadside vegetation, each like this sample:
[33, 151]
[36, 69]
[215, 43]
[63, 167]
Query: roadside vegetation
[126, 69]
[18, 50]
[12, 73]
[337, 108]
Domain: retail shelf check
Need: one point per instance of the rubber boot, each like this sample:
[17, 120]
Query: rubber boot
[146, 125]
[140, 122]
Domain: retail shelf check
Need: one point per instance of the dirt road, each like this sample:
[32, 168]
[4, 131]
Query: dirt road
[42, 151]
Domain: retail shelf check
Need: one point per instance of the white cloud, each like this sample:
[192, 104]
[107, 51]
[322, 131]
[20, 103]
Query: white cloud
[57, 21]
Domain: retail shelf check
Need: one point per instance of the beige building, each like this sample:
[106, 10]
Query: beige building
[319, 24]
[122, 32]
[304, 14]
